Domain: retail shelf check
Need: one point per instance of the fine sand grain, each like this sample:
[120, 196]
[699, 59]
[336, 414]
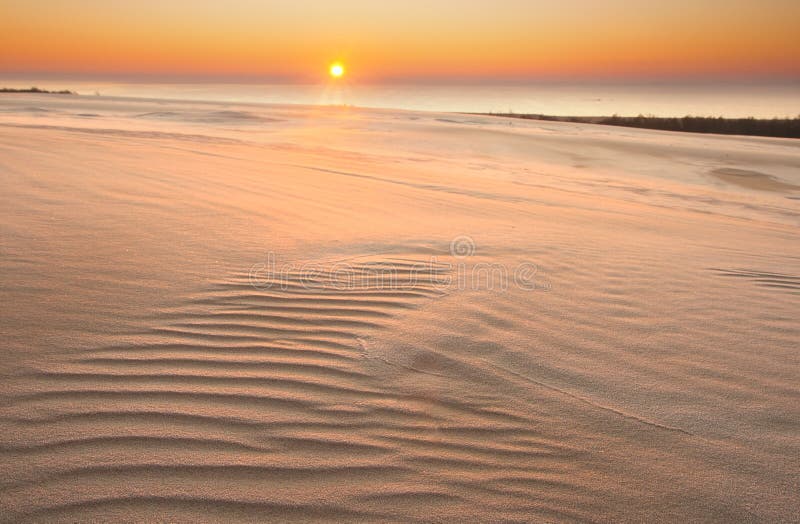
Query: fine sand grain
[216, 312]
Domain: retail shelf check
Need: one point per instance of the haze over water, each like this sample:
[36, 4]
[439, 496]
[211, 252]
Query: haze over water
[759, 100]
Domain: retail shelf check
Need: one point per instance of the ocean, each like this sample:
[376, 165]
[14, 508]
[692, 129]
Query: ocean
[734, 100]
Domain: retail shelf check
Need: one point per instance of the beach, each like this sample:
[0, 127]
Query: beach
[217, 311]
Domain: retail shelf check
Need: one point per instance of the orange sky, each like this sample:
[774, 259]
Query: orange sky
[433, 39]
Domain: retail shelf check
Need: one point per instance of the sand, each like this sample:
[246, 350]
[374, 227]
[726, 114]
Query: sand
[216, 312]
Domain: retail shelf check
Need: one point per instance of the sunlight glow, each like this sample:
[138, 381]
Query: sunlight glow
[337, 70]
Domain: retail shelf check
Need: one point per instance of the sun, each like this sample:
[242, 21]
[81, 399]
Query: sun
[337, 70]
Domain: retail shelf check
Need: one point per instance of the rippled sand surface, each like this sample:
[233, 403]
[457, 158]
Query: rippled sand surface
[218, 312]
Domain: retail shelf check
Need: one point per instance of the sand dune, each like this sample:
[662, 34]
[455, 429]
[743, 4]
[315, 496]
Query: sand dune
[217, 312]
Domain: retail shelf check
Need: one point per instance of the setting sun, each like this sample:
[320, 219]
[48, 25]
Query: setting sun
[337, 70]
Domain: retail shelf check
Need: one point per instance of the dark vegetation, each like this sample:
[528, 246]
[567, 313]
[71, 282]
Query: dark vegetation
[775, 127]
[36, 90]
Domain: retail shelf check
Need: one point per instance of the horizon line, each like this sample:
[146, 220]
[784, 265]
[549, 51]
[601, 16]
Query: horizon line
[151, 77]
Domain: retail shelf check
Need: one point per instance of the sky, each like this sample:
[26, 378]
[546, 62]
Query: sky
[415, 40]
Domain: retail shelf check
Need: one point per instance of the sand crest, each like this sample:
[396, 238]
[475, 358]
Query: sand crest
[218, 312]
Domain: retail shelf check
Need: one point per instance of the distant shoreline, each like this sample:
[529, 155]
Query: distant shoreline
[764, 127]
[37, 90]
[767, 127]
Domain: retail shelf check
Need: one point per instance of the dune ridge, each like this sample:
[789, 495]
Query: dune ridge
[217, 312]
